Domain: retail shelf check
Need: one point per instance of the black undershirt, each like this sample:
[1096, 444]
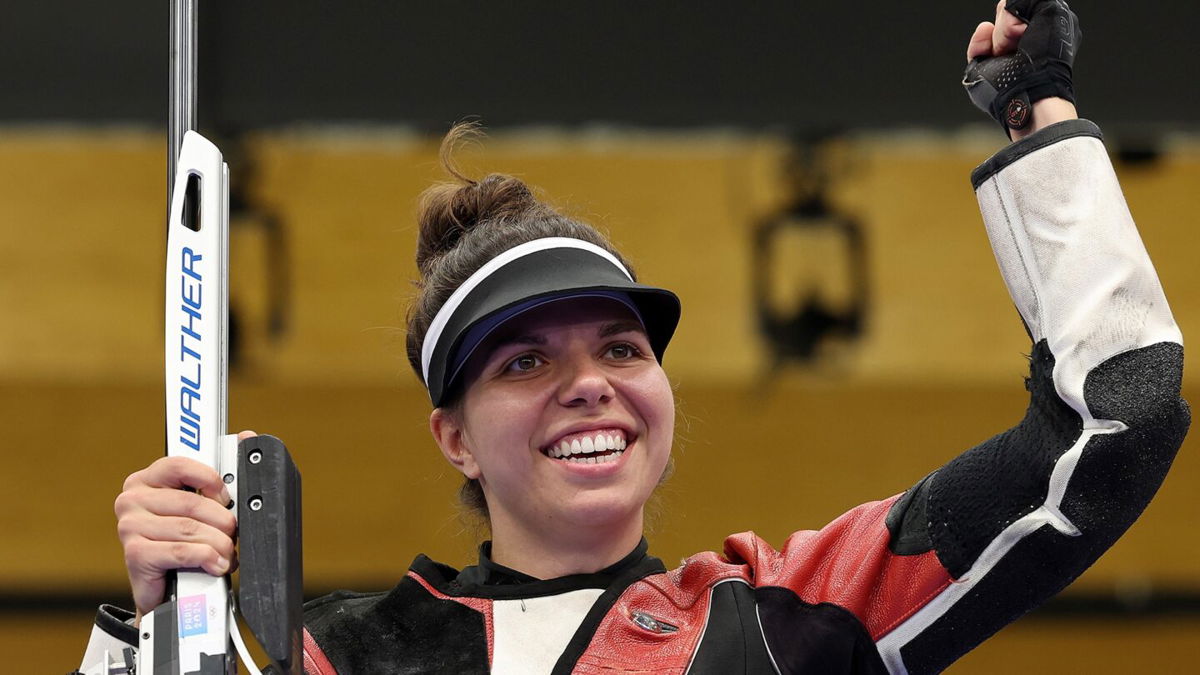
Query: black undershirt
[491, 573]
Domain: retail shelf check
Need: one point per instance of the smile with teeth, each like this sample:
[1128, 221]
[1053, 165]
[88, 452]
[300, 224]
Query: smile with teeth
[589, 447]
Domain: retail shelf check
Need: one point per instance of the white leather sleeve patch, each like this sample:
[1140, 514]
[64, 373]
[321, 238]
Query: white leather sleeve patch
[1073, 261]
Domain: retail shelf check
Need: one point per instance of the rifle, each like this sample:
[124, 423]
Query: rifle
[195, 632]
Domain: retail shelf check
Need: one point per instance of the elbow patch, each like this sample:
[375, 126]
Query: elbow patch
[984, 490]
[1114, 479]
[1118, 474]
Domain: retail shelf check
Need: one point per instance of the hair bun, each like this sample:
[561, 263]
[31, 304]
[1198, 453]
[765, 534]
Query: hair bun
[464, 223]
[450, 210]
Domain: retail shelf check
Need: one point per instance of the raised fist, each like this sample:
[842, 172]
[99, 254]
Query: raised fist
[1026, 56]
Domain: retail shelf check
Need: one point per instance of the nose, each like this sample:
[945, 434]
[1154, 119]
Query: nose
[585, 383]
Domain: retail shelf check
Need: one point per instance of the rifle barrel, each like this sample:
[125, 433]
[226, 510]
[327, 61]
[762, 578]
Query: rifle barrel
[182, 110]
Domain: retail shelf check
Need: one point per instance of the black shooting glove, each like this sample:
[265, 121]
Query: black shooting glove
[1005, 87]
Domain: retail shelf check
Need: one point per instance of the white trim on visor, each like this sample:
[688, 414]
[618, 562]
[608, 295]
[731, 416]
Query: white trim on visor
[434, 334]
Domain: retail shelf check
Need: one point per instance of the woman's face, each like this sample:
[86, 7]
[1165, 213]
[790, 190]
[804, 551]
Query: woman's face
[567, 418]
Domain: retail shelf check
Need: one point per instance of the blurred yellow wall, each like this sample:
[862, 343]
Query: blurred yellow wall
[939, 369]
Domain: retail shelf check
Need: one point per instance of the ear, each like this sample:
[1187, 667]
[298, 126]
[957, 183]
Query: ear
[447, 429]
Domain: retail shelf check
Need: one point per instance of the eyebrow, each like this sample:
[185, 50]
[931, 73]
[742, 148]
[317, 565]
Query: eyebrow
[526, 339]
[617, 327]
[607, 330]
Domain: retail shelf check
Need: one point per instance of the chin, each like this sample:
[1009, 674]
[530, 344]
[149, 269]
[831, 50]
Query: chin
[602, 510]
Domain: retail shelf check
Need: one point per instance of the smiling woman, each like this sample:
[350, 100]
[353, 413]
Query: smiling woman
[542, 355]
[567, 427]
[544, 351]
[531, 332]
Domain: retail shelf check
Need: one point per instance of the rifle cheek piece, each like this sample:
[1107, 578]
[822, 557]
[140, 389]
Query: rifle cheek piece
[271, 577]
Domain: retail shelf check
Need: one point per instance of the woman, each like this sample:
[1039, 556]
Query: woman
[542, 356]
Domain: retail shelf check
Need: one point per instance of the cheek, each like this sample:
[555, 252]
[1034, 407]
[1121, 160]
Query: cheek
[655, 402]
[497, 421]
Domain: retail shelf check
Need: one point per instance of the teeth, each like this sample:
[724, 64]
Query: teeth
[598, 459]
[613, 444]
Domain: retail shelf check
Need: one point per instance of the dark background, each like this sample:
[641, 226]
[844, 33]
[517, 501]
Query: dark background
[802, 65]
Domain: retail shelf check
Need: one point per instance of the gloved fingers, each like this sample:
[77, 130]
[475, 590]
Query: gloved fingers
[1007, 31]
[1022, 9]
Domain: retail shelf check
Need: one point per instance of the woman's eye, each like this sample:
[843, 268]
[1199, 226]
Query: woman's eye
[623, 351]
[524, 363]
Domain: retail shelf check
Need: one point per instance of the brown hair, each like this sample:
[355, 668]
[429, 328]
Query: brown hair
[464, 223]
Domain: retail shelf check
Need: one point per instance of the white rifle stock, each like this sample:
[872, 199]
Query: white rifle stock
[197, 619]
[191, 633]
[194, 631]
